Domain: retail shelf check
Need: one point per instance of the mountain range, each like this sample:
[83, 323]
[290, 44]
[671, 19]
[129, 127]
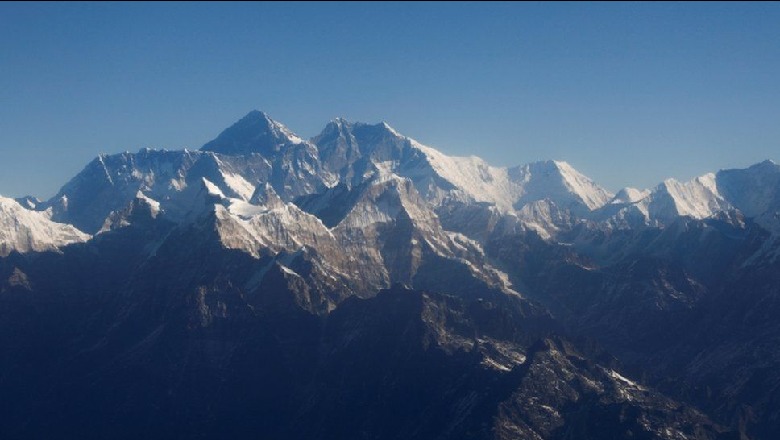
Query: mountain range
[363, 285]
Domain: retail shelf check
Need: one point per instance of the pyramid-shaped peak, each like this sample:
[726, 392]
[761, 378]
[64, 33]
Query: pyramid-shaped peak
[254, 133]
[336, 127]
[544, 169]
[630, 195]
[257, 114]
[551, 165]
[560, 182]
[669, 181]
[387, 127]
[257, 120]
[266, 195]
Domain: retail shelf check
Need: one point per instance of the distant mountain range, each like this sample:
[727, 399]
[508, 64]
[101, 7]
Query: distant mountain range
[363, 285]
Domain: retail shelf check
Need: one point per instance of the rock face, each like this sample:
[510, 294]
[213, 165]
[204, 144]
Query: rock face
[363, 285]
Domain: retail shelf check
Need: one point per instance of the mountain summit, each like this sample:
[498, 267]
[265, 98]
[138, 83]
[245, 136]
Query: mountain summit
[23, 230]
[254, 133]
[364, 285]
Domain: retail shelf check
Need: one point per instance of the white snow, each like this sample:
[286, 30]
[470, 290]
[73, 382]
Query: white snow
[385, 169]
[698, 198]
[212, 189]
[755, 190]
[615, 375]
[544, 196]
[281, 128]
[24, 231]
[492, 363]
[246, 210]
[287, 270]
[390, 129]
[473, 176]
[629, 195]
[560, 183]
[154, 204]
[367, 214]
[178, 184]
[592, 195]
[507, 188]
[277, 226]
[239, 185]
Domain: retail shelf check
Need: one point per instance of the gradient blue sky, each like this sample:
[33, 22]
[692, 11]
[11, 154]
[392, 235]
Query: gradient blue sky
[627, 93]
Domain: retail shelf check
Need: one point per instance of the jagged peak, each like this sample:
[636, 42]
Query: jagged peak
[258, 114]
[265, 194]
[340, 122]
[254, 133]
[668, 183]
[142, 199]
[767, 164]
[542, 168]
[558, 180]
[258, 117]
[141, 208]
[383, 199]
[23, 230]
[8, 201]
[392, 130]
[560, 167]
[707, 180]
[382, 129]
[629, 195]
[29, 202]
[344, 125]
[698, 198]
[336, 127]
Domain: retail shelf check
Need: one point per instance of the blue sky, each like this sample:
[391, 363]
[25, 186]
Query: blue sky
[628, 93]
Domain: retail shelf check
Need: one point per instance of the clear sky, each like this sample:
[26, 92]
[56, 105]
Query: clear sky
[627, 93]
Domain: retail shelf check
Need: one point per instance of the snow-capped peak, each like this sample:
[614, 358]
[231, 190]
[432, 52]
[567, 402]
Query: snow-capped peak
[23, 230]
[392, 130]
[154, 205]
[755, 191]
[211, 189]
[29, 202]
[592, 195]
[559, 182]
[471, 176]
[629, 195]
[266, 195]
[141, 208]
[357, 150]
[698, 198]
[254, 133]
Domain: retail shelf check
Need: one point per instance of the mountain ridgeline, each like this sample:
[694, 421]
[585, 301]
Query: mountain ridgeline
[362, 285]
